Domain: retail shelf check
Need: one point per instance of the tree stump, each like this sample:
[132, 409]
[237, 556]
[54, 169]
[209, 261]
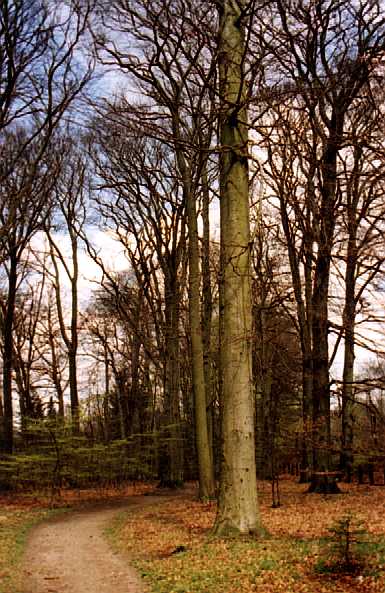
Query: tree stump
[304, 476]
[325, 482]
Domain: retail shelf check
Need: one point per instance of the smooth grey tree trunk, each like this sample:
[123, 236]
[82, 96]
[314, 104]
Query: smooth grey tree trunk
[238, 506]
[205, 466]
[206, 473]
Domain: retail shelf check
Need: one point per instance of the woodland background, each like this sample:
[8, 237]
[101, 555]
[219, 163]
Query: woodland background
[110, 119]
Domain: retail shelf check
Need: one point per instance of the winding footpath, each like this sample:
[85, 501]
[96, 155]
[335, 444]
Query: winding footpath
[71, 555]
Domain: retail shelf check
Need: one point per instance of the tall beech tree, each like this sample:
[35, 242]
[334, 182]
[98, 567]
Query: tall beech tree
[238, 506]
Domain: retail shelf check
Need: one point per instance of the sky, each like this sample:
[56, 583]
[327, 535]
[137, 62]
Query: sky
[90, 272]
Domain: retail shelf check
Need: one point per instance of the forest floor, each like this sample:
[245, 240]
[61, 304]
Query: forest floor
[167, 539]
[174, 549]
[61, 545]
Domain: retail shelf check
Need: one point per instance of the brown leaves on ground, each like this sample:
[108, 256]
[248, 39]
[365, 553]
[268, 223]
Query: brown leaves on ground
[305, 515]
[173, 547]
[170, 540]
[19, 511]
[72, 497]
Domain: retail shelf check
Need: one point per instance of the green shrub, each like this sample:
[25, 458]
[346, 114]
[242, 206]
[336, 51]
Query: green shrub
[346, 549]
[52, 458]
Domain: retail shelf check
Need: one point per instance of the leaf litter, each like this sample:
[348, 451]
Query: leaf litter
[283, 561]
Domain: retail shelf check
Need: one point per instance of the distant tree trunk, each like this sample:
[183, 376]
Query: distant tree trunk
[307, 395]
[71, 340]
[1, 422]
[305, 317]
[238, 507]
[106, 398]
[134, 403]
[361, 201]
[171, 470]
[206, 473]
[55, 366]
[22, 376]
[207, 309]
[73, 343]
[205, 467]
[349, 356]
[321, 388]
[7, 444]
[147, 410]
[121, 403]
[263, 379]
[71, 200]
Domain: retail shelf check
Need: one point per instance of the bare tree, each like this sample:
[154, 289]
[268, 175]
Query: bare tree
[40, 78]
[319, 75]
[71, 198]
[24, 203]
[120, 321]
[25, 351]
[175, 71]
[361, 251]
[52, 364]
[146, 213]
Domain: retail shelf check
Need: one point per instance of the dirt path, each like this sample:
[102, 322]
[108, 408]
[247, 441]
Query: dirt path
[71, 555]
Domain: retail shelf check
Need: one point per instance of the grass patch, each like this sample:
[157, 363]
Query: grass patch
[113, 531]
[222, 565]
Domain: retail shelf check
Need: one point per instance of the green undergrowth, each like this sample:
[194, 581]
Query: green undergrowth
[15, 525]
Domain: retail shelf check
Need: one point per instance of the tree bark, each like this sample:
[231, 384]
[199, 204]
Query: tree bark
[238, 507]
[321, 386]
[56, 379]
[134, 400]
[349, 356]
[171, 470]
[73, 344]
[106, 398]
[207, 310]
[71, 339]
[205, 466]
[7, 445]
[206, 474]
[304, 316]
